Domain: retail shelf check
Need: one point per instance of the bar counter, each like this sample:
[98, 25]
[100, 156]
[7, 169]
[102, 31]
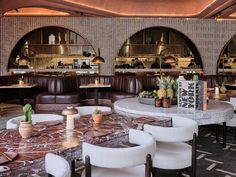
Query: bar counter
[53, 137]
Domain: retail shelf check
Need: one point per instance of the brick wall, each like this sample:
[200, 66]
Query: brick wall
[109, 34]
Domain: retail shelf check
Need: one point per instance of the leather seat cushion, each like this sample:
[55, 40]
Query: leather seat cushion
[67, 98]
[120, 95]
[172, 156]
[138, 171]
[45, 98]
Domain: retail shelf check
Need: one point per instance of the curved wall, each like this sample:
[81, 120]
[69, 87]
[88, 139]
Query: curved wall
[109, 34]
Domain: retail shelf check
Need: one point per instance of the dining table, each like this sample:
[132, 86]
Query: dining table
[52, 136]
[21, 88]
[218, 112]
[95, 86]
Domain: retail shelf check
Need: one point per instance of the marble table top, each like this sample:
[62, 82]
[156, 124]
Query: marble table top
[217, 111]
[53, 137]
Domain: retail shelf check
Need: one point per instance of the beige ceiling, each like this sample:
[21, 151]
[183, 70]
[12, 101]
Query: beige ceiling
[122, 8]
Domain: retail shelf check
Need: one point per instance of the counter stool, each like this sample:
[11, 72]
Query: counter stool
[173, 154]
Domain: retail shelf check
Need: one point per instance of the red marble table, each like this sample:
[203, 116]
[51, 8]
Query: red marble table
[53, 137]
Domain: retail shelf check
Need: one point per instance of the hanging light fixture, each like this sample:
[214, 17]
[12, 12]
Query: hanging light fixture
[98, 59]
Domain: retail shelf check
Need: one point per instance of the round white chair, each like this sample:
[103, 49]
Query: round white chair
[120, 162]
[172, 151]
[57, 166]
[232, 122]
[84, 110]
[14, 122]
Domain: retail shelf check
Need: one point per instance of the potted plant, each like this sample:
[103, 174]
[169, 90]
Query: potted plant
[26, 127]
[97, 115]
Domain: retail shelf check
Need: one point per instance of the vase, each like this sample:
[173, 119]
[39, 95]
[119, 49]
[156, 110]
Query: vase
[166, 102]
[97, 118]
[26, 129]
[158, 102]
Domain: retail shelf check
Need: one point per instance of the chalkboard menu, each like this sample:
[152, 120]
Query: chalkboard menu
[192, 94]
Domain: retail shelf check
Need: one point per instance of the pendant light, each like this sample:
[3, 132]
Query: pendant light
[98, 59]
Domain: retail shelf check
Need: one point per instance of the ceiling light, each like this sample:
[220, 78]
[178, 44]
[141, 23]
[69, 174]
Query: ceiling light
[98, 59]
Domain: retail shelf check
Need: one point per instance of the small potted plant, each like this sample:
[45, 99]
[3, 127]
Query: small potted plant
[26, 127]
[97, 115]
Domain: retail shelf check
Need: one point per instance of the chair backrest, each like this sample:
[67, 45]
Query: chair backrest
[14, 122]
[84, 110]
[122, 157]
[57, 166]
[233, 102]
[182, 130]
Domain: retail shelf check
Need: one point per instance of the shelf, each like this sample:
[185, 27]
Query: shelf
[158, 70]
[53, 70]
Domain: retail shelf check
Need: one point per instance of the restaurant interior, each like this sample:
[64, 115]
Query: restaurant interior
[125, 88]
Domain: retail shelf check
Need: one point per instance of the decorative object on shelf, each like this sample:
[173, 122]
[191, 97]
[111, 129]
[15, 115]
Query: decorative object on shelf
[166, 102]
[98, 59]
[51, 39]
[21, 81]
[70, 113]
[26, 127]
[96, 81]
[223, 88]
[97, 116]
[147, 97]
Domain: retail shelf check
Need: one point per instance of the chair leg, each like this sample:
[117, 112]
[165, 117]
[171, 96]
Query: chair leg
[179, 174]
[73, 167]
[224, 134]
[194, 155]
[148, 166]
[87, 167]
[217, 133]
[235, 133]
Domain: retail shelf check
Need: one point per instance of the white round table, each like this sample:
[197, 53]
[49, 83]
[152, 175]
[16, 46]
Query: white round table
[217, 112]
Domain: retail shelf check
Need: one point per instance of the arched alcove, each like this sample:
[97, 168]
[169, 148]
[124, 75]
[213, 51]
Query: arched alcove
[227, 58]
[171, 48]
[52, 47]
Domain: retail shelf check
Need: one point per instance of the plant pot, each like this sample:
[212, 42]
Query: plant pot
[166, 102]
[97, 118]
[26, 129]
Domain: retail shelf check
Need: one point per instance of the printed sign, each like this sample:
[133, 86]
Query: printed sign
[187, 95]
